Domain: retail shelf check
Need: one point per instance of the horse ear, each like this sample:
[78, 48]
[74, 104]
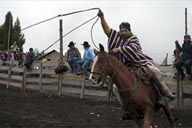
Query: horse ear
[95, 51]
[101, 47]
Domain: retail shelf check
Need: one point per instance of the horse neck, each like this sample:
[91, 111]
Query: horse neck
[120, 74]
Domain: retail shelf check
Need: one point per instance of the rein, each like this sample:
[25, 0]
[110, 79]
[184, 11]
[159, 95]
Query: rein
[114, 74]
[135, 81]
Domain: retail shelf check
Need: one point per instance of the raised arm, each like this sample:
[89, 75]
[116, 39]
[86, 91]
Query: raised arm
[178, 47]
[104, 24]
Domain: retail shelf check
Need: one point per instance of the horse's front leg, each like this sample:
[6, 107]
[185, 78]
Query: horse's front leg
[148, 117]
[169, 115]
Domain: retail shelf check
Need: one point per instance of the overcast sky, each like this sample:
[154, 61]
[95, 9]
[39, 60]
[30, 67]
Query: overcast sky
[156, 23]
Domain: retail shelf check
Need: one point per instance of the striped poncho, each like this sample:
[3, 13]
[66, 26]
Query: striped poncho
[130, 49]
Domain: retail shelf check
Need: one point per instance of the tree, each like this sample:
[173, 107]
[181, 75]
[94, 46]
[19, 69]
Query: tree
[38, 54]
[17, 36]
[2, 47]
[6, 31]
[10, 34]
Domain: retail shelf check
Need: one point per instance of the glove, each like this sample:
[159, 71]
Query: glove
[176, 42]
[100, 14]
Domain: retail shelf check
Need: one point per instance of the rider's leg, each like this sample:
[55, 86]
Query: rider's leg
[161, 82]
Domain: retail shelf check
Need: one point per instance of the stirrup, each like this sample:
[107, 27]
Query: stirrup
[163, 100]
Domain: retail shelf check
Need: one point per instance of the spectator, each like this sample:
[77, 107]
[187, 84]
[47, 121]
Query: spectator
[30, 57]
[14, 49]
[14, 46]
[73, 55]
[84, 63]
[4, 57]
[186, 57]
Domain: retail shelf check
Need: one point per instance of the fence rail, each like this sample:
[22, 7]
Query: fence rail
[43, 78]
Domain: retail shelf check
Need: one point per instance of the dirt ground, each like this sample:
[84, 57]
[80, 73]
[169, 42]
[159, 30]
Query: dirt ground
[34, 109]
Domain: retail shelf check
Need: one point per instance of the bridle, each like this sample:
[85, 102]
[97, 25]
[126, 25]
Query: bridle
[101, 74]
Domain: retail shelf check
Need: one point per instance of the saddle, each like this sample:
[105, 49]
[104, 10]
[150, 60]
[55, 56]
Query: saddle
[141, 72]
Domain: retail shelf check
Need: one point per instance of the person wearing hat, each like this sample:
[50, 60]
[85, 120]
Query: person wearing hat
[87, 59]
[73, 55]
[185, 58]
[126, 46]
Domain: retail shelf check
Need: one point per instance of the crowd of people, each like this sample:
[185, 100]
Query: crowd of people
[15, 54]
[12, 55]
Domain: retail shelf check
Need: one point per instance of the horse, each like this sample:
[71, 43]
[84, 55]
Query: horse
[136, 96]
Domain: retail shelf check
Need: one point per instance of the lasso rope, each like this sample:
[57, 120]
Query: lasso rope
[69, 33]
[66, 14]
[72, 29]
[92, 33]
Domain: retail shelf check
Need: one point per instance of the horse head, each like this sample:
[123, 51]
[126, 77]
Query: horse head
[100, 68]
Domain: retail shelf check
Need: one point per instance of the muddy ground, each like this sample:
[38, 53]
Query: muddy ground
[34, 109]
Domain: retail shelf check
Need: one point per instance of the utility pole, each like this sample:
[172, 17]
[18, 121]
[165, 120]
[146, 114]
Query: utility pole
[9, 31]
[185, 20]
[61, 40]
[60, 78]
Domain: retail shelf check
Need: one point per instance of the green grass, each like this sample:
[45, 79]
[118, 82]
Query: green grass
[68, 77]
[187, 83]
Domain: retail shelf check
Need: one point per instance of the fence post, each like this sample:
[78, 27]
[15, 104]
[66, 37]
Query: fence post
[60, 81]
[9, 73]
[83, 89]
[181, 94]
[110, 90]
[41, 75]
[24, 79]
[178, 92]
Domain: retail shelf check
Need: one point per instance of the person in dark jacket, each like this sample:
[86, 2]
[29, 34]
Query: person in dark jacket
[30, 57]
[186, 57]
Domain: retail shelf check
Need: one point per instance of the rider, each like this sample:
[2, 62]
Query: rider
[128, 48]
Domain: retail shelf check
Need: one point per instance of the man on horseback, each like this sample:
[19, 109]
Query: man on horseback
[128, 49]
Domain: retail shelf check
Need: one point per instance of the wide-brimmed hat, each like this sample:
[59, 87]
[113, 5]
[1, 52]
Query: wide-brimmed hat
[187, 36]
[86, 44]
[71, 44]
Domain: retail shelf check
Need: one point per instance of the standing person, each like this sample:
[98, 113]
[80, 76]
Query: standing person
[14, 48]
[73, 55]
[128, 49]
[30, 57]
[87, 59]
[186, 57]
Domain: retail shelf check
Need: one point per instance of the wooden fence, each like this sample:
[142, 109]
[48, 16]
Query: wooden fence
[43, 78]
[182, 90]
